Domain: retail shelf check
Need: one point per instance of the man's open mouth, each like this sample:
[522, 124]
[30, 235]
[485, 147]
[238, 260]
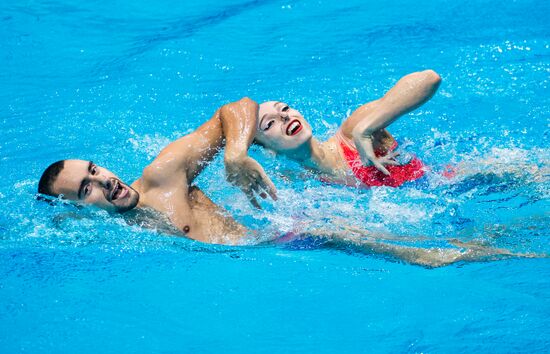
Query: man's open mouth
[119, 191]
[294, 127]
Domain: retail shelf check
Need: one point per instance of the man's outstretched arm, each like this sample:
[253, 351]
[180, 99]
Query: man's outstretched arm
[192, 153]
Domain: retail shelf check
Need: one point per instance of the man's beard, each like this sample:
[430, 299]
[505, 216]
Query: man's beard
[133, 201]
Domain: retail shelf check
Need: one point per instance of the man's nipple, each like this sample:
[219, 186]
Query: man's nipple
[186, 229]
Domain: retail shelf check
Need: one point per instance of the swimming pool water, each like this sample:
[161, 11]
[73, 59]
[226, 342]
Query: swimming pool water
[114, 82]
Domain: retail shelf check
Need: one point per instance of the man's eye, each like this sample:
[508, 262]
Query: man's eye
[269, 124]
[87, 190]
[285, 108]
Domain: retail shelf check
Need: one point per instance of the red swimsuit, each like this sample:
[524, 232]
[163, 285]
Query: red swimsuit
[372, 177]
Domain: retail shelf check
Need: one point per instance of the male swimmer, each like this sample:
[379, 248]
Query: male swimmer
[166, 187]
[362, 150]
[166, 184]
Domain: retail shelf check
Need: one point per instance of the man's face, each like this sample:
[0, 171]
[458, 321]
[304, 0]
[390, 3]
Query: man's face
[88, 183]
[281, 128]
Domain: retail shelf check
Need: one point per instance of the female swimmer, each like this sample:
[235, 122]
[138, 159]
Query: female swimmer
[362, 150]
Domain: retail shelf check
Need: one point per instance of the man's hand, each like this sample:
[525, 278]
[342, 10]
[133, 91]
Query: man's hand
[247, 174]
[239, 121]
[366, 151]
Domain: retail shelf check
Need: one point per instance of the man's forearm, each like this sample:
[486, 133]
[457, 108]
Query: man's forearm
[239, 120]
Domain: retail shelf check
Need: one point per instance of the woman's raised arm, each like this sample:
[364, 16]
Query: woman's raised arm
[410, 92]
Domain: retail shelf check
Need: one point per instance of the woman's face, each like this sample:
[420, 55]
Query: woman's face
[281, 128]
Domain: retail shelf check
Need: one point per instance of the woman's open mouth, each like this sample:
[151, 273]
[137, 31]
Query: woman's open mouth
[293, 127]
[118, 191]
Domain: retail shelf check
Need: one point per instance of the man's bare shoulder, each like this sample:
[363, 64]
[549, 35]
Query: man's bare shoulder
[165, 194]
[163, 172]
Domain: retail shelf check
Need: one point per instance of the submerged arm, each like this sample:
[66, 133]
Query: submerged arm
[427, 257]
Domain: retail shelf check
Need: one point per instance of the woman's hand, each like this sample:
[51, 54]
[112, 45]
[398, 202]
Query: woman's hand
[409, 93]
[247, 174]
[364, 144]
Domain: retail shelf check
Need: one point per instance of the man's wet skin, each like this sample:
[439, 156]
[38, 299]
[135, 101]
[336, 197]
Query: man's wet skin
[166, 184]
[85, 182]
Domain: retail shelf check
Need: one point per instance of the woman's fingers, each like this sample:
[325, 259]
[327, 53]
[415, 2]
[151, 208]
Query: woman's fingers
[389, 162]
[381, 167]
[391, 155]
[379, 162]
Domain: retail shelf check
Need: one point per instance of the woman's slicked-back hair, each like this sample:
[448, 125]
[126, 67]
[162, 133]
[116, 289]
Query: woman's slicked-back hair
[48, 178]
[257, 142]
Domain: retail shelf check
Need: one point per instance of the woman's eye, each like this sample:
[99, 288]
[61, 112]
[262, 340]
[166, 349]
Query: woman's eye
[269, 124]
[285, 108]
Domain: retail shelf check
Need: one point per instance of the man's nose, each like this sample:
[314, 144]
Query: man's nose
[104, 182]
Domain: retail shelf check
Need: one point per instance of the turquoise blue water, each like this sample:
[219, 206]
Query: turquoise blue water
[114, 82]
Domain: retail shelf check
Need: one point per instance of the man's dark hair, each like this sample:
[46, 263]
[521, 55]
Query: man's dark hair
[48, 178]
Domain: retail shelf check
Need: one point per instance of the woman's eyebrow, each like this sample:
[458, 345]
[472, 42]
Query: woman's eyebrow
[266, 114]
[262, 119]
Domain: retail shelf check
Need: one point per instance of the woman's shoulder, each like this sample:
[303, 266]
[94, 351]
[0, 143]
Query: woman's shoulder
[333, 153]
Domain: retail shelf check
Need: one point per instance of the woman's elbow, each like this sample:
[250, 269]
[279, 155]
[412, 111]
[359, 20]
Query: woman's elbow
[432, 77]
